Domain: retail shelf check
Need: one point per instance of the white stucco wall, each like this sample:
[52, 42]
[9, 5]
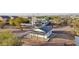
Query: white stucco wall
[38, 30]
[38, 35]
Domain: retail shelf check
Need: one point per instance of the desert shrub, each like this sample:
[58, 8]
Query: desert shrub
[56, 20]
[8, 39]
[17, 22]
[75, 24]
[25, 20]
[1, 23]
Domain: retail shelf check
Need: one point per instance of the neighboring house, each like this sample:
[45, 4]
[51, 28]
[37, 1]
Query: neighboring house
[5, 18]
[44, 32]
[36, 20]
[40, 22]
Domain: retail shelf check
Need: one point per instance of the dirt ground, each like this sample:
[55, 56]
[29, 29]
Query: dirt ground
[62, 37]
[58, 40]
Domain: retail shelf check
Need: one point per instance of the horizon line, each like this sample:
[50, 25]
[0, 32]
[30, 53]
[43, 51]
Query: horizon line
[38, 14]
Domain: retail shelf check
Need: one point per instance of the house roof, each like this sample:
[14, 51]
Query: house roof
[46, 28]
[5, 17]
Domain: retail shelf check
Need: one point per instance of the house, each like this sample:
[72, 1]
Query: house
[5, 18]
[44, 32]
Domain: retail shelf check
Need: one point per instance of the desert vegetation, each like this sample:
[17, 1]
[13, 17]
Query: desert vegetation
[7, 38]
[65, 24]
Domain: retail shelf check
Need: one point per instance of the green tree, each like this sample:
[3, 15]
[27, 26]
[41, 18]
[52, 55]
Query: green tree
[1, 23]
[56, 20]
[70, 22]
[8, 39]
[17, 22]
[75, 23]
